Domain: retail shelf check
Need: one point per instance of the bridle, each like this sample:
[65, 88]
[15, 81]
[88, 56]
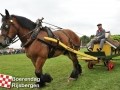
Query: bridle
[13, 40]
[8, 40]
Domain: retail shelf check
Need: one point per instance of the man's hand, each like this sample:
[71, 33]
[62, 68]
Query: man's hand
[96, 38]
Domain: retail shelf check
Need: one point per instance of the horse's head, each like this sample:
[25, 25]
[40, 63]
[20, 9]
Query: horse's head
[13, 25]
[8, 28]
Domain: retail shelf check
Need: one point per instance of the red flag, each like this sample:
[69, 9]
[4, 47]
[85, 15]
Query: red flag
[5, 80]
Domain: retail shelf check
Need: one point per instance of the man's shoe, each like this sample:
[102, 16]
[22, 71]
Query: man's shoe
[99, 49]
[90, 49]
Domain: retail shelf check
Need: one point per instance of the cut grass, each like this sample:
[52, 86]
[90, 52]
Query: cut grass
[60, 68]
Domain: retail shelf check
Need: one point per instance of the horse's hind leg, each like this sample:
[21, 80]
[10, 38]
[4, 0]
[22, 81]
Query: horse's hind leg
[77, 70]
[38, 72]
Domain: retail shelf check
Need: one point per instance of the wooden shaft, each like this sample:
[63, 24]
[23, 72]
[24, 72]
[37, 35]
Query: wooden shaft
[70, 49]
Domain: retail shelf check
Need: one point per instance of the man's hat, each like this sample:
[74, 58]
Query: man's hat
[99, 24]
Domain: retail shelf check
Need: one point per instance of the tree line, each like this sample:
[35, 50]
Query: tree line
[85, 39]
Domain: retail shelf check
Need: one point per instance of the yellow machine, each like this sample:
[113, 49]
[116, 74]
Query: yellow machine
[91, 57]
[106, 48]
[111, 48]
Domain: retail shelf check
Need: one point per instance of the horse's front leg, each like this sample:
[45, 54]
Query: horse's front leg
[38, 72]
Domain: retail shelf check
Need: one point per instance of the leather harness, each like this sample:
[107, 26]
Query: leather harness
[52, 47]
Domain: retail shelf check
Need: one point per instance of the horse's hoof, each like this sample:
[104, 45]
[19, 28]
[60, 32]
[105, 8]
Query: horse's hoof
[47, 78]
[71, 79]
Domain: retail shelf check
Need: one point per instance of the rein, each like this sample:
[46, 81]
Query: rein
[53, 25]
[38, 24]
[16, 38]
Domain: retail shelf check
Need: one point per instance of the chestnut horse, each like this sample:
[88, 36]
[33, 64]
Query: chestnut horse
[37, 51]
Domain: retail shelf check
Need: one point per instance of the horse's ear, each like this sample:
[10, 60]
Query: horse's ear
[7, 13]
[2, 15]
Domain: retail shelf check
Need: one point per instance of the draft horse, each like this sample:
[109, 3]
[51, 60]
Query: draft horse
[39, 50]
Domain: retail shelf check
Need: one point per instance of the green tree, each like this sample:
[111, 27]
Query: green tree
[92, 36]
[84, 40]
[116, 37]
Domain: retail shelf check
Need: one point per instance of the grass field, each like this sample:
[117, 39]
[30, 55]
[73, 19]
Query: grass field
[60, 68]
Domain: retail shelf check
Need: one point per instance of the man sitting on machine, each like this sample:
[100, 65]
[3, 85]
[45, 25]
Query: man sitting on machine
[99, 37]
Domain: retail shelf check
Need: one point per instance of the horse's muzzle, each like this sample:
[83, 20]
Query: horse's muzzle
[4, 41]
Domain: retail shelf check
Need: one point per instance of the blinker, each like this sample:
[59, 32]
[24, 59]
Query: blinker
[11, 21]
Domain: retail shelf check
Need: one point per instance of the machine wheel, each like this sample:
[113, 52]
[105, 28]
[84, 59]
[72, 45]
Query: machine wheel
[90, 65]
[110, 65]
[105, 63]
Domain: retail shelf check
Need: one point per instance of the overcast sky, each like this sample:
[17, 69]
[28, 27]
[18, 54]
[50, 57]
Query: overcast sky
[81, 16]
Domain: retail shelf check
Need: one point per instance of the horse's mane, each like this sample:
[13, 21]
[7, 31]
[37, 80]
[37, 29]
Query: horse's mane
[25, 22]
